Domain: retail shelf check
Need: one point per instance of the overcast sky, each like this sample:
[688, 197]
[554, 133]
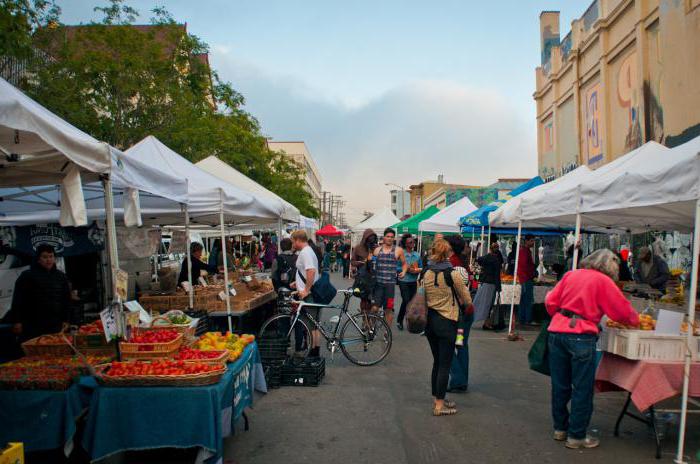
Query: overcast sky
[381, 91]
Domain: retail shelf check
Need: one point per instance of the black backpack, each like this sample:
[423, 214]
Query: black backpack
[286, 267]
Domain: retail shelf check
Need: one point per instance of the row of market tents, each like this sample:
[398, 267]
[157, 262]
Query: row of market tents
[652, 188]
[50, 171]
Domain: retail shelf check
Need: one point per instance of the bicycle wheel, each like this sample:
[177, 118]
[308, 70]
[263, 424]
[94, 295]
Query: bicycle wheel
[365, 339]
[277, 327]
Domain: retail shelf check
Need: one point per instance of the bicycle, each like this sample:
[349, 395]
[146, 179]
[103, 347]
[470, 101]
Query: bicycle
[364, 339]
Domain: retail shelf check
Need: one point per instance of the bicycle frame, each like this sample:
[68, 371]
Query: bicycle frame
[326, 334]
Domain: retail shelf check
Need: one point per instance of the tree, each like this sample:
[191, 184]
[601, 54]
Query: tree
[121, 82]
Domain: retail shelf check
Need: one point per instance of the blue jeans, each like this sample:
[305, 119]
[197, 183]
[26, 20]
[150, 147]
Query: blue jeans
[527, 299]
[459, 370]
[572, 360]
[327, 261]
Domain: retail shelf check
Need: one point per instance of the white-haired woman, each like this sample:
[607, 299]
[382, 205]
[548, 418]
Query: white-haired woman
[576, 305]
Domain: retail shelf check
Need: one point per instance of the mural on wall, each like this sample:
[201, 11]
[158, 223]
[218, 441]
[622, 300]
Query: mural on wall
[654, 113]
[628, 98]
[567, 137]
[548, 158]
[479, 196]
[593, 143]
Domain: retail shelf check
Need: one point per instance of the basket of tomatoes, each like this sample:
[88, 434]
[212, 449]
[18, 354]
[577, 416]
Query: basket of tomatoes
[151, 343]
[49, 345]
[163, 372]
[195, 355]
[47, 377]
[91, 335]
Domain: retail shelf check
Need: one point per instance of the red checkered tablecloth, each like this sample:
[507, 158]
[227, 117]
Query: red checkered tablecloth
[650, 382]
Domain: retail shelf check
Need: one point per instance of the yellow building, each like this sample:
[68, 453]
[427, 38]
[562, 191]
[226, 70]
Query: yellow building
[626, 73]
[431, 192]
[298, 152]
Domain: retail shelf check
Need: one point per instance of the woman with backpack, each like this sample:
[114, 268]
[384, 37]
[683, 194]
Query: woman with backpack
[283, 267]
[445, 296]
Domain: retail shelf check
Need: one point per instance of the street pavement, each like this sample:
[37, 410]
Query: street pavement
[382, 414]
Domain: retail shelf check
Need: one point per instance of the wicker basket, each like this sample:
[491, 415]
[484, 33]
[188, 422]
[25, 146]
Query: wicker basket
[221, 359]
[189, 380]
[33, 347]
[157, 350]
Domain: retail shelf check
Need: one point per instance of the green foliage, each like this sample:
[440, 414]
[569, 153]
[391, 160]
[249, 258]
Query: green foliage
[18, 21]
[121, 82]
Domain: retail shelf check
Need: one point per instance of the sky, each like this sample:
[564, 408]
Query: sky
[381, 91]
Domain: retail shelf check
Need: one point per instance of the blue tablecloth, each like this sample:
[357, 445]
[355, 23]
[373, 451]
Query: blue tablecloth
[43, 419]
[140, 418]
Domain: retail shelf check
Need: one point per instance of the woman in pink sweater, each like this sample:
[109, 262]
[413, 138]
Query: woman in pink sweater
[576, 305]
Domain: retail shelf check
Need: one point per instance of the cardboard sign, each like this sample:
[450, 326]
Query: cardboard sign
[668, 322]
[121, 284]
[110, 323]
[135, 307]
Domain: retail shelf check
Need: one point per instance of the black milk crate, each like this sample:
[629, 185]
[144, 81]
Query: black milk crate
[306, 373]
[273, 373]
[273, 349]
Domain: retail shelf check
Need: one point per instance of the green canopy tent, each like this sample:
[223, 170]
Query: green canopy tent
[410, 225]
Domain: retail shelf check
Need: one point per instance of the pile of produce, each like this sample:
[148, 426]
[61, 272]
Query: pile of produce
[160, 367]
[93, 328]
[696, 327]
[190, 354]
[155, 336]
[56, 361]
[18, 377]
[646, 322]
[675, 293]
[216, 341]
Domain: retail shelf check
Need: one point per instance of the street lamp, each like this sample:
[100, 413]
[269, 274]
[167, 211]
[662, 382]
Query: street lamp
[403, 197]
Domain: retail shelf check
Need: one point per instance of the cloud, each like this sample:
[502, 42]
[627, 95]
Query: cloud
[411, 133]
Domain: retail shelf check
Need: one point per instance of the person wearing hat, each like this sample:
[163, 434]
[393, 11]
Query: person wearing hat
[526, 277]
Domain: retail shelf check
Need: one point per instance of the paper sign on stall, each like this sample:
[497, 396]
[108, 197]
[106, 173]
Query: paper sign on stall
[109, 322]
[121, 283]
[134, 306]
[668, 322]
[186, 285]
[203, 282]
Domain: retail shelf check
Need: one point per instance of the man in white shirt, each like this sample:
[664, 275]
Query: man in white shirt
[307, 274]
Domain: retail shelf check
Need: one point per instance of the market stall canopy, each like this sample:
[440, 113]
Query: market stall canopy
[227, 173]
[410, 225]
[207, 194]
[307, 223]
[480, 217]
[513, 210]
[329, 230]
[447, 219]
[651, 188]
[378, 222]
[38, 147]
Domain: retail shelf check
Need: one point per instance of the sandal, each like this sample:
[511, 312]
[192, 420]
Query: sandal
[444, 411]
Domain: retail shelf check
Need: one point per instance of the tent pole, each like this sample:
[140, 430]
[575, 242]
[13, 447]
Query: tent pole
[488, 239]
[481, 242]
[691, 320]
[189, 255]
[420, 242]
[577, 237]
[111, 233]
[279, 236]
[511, 322]
[223, 240]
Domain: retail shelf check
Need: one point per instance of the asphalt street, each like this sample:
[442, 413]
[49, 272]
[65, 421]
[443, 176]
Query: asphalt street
[382, 414]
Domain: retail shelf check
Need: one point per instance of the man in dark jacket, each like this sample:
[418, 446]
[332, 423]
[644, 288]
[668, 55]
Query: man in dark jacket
[652, 269]
[197, 265]
[361, 261]
[41, 299]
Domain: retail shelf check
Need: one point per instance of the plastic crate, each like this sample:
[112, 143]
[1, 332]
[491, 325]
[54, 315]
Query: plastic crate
[271, 349]
[273, 373]
[645, 345]
[306, 373]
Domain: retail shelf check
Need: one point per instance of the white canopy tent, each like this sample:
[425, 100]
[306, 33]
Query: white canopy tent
[651, 188]
[229, 174]
[447, 219]
[377, 222]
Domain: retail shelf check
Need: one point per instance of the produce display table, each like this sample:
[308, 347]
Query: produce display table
[648, 383]
[43, 419]
[141, 418]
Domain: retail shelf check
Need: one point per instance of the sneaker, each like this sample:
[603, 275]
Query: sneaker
[560, 435]
[588, 442]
